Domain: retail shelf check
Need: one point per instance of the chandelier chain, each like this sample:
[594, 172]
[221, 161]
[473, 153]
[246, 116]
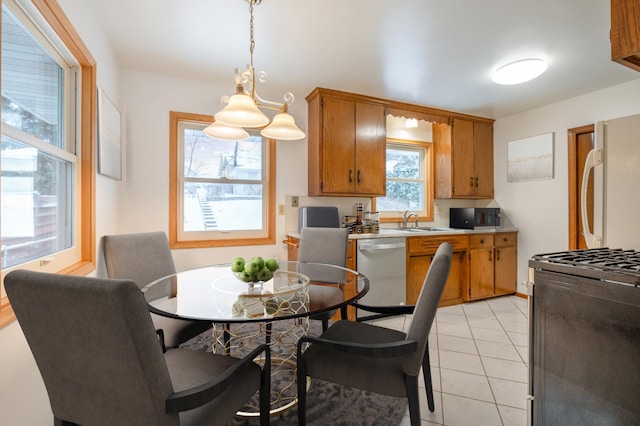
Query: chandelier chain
[252, 41]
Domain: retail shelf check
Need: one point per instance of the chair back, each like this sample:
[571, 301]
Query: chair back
[427, 306]
[323, 245]
[142, 257]
[95, 346]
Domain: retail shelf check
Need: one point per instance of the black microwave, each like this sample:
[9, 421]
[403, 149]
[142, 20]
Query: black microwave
[474, 217]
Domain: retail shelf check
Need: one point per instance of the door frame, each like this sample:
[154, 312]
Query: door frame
[574, 191]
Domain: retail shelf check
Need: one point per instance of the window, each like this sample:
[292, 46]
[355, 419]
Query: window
[222, 192]
[409, 185]
[48, 127]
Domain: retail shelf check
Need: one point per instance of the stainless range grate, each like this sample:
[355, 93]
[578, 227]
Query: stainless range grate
[615, 265]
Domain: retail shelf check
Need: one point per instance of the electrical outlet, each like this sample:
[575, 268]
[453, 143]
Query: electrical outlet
[281, 209]
[294, 201]
[438, 209]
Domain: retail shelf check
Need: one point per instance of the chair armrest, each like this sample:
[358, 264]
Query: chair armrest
[389, 310]
[200, 395]
[376, 350]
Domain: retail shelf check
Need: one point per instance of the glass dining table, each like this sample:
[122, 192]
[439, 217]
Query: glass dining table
[245, 314]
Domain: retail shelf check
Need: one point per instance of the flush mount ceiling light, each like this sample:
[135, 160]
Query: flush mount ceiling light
[519, 71]
[241, 110]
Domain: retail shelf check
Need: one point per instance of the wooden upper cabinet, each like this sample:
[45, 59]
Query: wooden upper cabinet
[625, 33]
[464, 159]
[347, 145]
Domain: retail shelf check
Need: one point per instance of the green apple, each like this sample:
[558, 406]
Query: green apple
[252, 267]
[245, 276]
[264, 274]
[271, 264]
[258, 260]
[237, 264]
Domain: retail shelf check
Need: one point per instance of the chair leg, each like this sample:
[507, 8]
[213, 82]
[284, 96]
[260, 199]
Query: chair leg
[265, 390]
[414, 400]
[426, 373]
[343, 313]
[325, 324]
[302, 392]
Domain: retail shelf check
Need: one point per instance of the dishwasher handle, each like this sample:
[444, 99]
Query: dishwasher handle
[379, 247]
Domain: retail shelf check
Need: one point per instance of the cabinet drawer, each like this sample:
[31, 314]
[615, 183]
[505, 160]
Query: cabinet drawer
[429, 245]
[506, 239]
[481, 240]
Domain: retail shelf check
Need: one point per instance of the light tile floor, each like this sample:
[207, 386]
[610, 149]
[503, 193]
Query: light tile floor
[479, 355]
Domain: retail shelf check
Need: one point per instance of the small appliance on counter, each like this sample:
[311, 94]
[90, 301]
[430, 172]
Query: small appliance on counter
[318, 217]
[474, 217]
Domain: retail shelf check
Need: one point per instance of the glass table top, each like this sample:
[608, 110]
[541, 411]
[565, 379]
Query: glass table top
[215, 293]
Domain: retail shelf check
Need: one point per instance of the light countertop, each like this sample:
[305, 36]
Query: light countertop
[436, 232]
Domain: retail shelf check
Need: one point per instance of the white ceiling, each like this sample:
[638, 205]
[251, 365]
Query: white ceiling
[439, 53]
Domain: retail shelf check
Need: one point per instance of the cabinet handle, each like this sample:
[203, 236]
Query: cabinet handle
[359, 176]
[498, 255]
[490, 256]
[481, 241]
[471, 178]
[350, 175]
[476, 181]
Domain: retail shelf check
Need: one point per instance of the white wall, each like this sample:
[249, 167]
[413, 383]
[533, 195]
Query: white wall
[23, 398]
[540, 208]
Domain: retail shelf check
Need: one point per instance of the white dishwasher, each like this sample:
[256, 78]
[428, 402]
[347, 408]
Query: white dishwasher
[383, 262]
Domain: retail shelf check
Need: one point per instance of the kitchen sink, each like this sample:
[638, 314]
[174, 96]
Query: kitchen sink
[426, 229]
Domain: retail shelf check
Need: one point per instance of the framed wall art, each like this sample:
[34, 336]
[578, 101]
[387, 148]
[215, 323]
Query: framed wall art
[530, 158]
[109, 138]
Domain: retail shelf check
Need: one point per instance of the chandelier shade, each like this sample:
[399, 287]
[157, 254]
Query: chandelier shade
[241, 111]
[217, 130]
[283, 127]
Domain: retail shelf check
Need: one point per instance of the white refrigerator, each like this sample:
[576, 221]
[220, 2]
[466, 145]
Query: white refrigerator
[615, 164]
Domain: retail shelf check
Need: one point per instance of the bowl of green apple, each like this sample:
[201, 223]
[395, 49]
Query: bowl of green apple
[255, 269]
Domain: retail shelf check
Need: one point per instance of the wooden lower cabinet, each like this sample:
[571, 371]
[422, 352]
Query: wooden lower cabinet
[483, 266]
[420, 252]
[492, 265]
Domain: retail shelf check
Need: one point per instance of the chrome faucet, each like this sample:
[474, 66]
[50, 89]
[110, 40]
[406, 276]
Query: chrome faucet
[405, 218]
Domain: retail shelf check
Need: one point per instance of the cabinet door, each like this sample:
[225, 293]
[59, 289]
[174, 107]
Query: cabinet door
[481, 272]
[417, 268]
[452, 294]
[370, 149]
[338, 146]
[483, 159]
[462, 158]
[505, 270]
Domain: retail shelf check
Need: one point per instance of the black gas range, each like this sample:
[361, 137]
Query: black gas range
[584, 338]
[614, 265]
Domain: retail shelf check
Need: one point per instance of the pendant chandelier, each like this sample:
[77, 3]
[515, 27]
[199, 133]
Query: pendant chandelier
[241, 110]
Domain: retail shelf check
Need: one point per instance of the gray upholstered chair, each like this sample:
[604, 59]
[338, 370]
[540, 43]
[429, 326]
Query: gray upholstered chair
[143, 258]
[102, 363]
[374, 358]
[328, 246]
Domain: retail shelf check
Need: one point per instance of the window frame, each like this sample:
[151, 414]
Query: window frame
[176, 188]
[84, 138]
[429, 176]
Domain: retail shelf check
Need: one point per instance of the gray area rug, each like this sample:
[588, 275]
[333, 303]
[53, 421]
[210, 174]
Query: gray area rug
[327, 403]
